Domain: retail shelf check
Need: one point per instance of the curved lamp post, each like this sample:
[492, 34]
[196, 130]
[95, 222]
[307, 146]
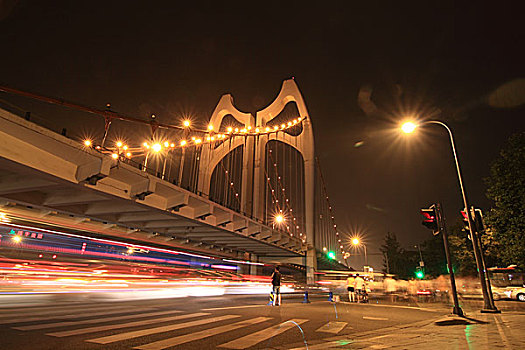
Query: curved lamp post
[489, 306]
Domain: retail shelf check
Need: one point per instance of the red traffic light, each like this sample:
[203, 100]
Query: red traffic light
[430, 219]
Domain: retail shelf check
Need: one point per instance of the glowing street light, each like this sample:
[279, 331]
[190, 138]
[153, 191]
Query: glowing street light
[186, 123]
[357, 242]
[17, 239]
[279, 218]
[87, 143]
[408, 127]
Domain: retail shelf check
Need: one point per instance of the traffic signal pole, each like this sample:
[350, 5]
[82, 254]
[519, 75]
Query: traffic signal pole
[488, 301]
[443, 227]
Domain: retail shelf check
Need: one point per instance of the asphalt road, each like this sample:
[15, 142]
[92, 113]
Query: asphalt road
[222, 322]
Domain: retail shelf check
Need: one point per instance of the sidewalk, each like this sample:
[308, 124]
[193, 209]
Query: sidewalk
[479, 331]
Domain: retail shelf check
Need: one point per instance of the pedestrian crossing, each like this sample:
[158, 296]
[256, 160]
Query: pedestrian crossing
[155, 327]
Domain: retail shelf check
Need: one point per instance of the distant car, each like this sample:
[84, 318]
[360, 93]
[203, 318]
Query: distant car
[515, 293]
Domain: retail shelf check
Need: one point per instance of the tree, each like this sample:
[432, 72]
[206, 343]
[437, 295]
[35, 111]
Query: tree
[506, 187]
[400, 262]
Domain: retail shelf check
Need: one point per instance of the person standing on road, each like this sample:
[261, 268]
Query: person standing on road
[359, 284]
[350, 287]
[276, 283]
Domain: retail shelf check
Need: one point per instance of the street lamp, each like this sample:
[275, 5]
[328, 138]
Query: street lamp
[489, 306]
[356, 242]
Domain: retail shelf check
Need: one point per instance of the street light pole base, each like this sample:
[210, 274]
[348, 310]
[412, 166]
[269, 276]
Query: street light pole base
[490, 311]
[458, 311]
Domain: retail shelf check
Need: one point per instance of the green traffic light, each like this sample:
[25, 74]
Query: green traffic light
[420, 274]
[331, 255]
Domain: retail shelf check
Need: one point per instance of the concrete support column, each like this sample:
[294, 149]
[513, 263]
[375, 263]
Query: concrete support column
[247, 176]
[253, 268]
[259, 181]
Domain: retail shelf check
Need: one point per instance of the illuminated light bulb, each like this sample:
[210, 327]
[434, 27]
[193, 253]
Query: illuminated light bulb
[210, 127]
[130, 250]
[355, 241]
[257, 130]
[236, 129]
[283, 126]
[114, 156]
[197, 141]
[208, 138]
[193, 138]
[213, 138]
[299, 119]
[249, 128]
[186, 123]
[275, 127]
[125, 147]
[279, 218]
[166, 144]
[119, 144]
[17, 239]
[183, 143]
[243, 130]
[267, 129]
[230, 129]
[145, 144]
[87, 143]
[172, 145]
[408, 127]
[128, 154]
[289, 123]
[294, 121]
[157, 147]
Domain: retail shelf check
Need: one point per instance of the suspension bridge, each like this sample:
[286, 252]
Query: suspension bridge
[247, 186]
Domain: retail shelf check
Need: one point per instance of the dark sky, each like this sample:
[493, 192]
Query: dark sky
[441, 60]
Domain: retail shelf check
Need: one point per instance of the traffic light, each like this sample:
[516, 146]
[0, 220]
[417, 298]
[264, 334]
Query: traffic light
[430, 219]
[420, 273]
[331, 255]
[477, 218]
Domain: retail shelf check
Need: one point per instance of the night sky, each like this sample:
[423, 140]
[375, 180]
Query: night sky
[362, 68]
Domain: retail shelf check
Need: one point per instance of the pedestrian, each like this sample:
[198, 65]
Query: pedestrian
[350, 287]
[276, 284]
[359, 284]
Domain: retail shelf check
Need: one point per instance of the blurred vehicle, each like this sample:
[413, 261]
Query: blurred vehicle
[515, 293]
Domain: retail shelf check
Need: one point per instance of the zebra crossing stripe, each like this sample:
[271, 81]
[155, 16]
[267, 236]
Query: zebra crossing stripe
[69, 315]
[57, 311]
[332, 327]
[170, 342]
[149, 331]
[94, 320]
[257, 337]
[123, 325]
[32, 310]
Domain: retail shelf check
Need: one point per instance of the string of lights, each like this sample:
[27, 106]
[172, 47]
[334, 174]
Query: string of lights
[287, 205]
[324, 194]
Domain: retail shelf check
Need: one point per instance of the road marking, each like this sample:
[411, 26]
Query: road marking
[375, 318]
[170, 342]
[68, 315]
[57, 311]
[32, 311]
[257, 337]
[124, 325]
[332, 327]
[501, 332]
[95, 320]
[149, 331]
[232, 307]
